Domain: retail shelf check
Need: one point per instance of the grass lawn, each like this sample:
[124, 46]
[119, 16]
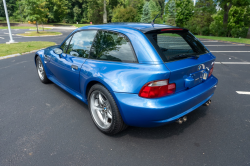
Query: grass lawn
[229, 39]
[40, 33]
[22, 47]
[81, 25]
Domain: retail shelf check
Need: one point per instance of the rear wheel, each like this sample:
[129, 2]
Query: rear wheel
[104, 110]
[40, 70]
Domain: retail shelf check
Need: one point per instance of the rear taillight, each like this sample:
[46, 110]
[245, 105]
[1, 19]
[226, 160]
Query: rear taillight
[157, 89]
[211, 71]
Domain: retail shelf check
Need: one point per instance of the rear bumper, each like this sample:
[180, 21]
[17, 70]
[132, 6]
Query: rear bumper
[142, 112]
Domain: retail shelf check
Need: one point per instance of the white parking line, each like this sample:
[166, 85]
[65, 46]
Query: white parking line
[243, 92]
[227, 45]
[229, 51]
[233, 63]
[1, 37]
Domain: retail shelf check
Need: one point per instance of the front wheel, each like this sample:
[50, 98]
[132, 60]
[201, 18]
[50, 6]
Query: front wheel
[40, 70]
[104, 110]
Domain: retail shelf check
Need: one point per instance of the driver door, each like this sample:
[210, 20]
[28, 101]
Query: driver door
[66, 67]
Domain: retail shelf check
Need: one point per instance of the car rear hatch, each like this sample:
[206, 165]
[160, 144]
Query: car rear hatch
[188, 60]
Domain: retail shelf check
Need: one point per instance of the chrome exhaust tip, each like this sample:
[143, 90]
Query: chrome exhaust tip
[180, 121]
[207, 103]
[184, 118]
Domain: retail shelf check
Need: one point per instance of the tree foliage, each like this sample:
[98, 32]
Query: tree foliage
[11, 7]
[184, 11]
[58, 10]
[200, 22]
[171, 13]
[121, 14]
[146, 15]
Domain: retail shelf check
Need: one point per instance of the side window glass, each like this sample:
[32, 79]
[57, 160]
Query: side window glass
[81, 43]
[65, 45]
[112, 46]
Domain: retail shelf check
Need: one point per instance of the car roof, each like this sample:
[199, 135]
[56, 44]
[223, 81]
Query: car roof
[143, 27]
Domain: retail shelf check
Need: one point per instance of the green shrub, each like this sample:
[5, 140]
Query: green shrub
[2, 18]
[239, 32]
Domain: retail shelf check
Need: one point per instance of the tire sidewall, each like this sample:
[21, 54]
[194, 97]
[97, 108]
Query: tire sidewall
[114, 108]
[45, 79]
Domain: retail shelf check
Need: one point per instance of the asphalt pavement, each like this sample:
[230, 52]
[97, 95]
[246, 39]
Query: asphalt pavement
[4, 36]
[44, 125]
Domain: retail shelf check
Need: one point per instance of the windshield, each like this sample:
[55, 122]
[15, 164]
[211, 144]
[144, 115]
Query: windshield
[174, 46]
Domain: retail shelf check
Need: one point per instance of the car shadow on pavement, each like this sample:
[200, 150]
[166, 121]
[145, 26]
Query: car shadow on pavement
[168, 130]
[165, 131]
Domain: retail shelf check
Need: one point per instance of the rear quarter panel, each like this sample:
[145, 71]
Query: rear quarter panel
[121, 77]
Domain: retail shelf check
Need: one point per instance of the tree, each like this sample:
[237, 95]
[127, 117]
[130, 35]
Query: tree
[161, 6]
[121, 14]
[202, 18]
[35, 10]
[236, 25]
[104, 12]
[138, 5]
[146, 15]
[184, 11]
[95, 11]
[154, 9]
[58, 9]
[227, 4]
[11, 7]
[171, 13]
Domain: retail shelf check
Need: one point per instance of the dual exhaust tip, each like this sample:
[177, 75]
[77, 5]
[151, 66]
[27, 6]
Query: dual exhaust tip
[207, 103]
[182, 119]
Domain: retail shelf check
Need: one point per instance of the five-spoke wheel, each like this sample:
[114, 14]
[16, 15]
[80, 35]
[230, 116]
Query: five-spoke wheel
[40, 70]
[104, 110]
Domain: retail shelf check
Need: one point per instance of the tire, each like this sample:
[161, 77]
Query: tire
[40, 71]
[104, 111]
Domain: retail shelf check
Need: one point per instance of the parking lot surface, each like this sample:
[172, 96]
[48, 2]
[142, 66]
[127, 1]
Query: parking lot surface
[4, 35]
[44, 125]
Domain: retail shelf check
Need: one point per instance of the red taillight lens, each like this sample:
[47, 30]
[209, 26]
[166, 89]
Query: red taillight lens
[211, 71]
[157, 89]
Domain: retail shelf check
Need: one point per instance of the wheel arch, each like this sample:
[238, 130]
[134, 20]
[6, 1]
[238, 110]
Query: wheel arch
[99, 81]
[92, 82]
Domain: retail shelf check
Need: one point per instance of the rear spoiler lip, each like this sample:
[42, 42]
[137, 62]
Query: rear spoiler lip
[158, 30]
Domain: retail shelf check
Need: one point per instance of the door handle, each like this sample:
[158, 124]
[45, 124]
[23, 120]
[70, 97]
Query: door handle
[74, 67]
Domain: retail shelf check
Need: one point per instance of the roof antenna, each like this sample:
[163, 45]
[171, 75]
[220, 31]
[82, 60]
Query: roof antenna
[153, 22]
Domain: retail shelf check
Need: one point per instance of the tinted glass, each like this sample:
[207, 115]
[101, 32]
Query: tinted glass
[112, 47]
[81, 43]
[65, 45]
[170, 45]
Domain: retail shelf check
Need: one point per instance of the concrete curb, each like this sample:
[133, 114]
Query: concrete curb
[15, 55]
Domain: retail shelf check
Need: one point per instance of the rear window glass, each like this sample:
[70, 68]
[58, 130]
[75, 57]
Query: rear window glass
[175, 46]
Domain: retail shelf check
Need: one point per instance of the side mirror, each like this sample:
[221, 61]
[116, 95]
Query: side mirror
[58, 51]
[73, 53]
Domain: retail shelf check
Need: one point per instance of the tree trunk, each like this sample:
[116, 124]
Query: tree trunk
[36, 27]
[104, 12]
[42, 25]
[226, 11]
[248, 33]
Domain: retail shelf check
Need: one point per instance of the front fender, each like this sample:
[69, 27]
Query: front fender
[41, 53]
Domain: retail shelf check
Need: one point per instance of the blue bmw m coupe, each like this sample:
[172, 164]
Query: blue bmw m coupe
[131, 74]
